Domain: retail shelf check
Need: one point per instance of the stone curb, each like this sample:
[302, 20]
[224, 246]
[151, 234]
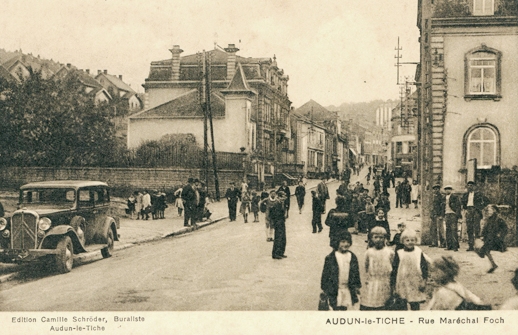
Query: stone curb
[89, 256]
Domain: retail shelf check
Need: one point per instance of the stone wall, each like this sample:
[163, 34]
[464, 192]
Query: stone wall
[124, 178]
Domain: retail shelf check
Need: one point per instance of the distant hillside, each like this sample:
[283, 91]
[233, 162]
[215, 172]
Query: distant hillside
[355, 111]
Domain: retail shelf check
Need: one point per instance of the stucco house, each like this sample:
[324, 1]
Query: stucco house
[468, 94]
[118, 88]
[249, 103]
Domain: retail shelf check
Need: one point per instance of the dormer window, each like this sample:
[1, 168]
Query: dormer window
[484, 7]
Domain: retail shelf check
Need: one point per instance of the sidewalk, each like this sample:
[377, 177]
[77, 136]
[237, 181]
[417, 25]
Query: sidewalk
[138, 231]
[132, 231]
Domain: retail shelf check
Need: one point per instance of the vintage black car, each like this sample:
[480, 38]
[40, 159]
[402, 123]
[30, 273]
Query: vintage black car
[57, 219]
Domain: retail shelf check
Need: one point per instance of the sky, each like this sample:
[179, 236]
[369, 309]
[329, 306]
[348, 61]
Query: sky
[334, 51]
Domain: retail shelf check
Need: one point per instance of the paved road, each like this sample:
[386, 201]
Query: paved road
[227, 266]
[224, 267]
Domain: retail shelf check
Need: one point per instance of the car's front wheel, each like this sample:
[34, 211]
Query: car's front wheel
[110, 240]
[64, 260]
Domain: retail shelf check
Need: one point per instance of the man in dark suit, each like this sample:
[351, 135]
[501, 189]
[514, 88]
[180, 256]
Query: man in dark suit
[300, 193]
[278, 222]
[232, 195]
[452, 214]
[323, 193]
[189, 203]
[473, 202]
[286, 190]
[436, 217]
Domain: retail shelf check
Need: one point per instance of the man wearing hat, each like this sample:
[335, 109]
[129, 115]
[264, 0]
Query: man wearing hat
[437, 215]
[452, 213]
[189, 203]
[232, 195]
[473, 202]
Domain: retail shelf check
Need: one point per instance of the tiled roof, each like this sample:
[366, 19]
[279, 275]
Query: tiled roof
[238, 83]
[117, 82]
[86, 79]
[190, 66]
[128, 95]
[314, 110]
[184, 106]
[6, 75]
[8, 64]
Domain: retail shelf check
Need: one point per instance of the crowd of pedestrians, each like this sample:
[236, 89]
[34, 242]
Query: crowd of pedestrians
[141, 204]
[397, 271]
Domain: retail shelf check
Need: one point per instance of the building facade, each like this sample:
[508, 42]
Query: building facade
[248, 98]
[403, 141]
[469, 91]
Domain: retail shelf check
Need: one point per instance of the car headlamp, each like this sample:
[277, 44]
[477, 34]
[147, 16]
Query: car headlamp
[44, 224]
[3, 223]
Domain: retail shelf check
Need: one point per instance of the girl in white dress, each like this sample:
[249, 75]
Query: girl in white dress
[341, 274]
[410, 271]
[378, 268]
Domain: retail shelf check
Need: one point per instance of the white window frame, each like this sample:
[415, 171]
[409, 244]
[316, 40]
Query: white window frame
[494, 141]
[477, 63]
[483, 7]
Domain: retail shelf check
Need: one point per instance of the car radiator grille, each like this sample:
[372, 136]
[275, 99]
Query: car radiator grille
[23, 231]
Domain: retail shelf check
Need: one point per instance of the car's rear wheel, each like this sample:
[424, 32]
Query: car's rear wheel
[110, 240]
[64, 260]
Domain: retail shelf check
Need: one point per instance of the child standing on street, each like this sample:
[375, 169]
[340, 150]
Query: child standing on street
[410, 271]
[341, 274]
[255, 206]
[179, 202]
[245, 206]
[369, 217]
[379, 221]
[378, 268]
[397, 237]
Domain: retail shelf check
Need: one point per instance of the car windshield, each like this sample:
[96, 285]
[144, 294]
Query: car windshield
[49, 197]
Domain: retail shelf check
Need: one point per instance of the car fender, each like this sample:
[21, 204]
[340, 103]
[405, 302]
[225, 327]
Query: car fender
[110, 223]
[61, 231]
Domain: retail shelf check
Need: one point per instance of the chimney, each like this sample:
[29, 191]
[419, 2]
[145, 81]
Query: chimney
[105, 71]
[98, 71]
[175, 64]
[120, 77]
[87, 71]
[69, 65]
[231, 60]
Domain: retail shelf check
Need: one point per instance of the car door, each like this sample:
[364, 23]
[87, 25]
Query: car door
[85, 209]
[101, 206]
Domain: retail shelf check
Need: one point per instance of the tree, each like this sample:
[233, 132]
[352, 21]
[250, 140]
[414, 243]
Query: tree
[54, 123]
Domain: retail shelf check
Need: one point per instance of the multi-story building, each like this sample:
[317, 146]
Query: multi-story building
[468, 94]
[249, 102]
[309, 144]
[334, 159]
[403, 136]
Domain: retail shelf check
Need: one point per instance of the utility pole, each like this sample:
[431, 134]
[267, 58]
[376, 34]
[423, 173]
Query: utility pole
[208, 91]
[205, 117]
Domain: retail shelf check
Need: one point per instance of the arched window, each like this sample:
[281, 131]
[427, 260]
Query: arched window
[482, 144]
[483, 75]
